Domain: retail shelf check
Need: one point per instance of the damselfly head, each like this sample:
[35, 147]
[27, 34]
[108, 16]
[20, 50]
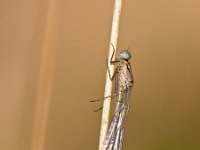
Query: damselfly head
[125, 55]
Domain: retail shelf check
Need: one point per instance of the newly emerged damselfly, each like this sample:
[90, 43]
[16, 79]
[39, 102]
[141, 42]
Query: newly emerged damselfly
[123, 80]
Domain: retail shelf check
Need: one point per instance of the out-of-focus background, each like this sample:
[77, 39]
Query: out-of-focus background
[52, 63]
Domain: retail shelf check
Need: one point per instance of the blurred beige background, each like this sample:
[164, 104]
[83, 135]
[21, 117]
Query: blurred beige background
[52, 62]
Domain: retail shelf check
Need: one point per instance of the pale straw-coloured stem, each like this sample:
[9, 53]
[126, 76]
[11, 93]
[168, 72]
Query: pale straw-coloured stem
[108, 85]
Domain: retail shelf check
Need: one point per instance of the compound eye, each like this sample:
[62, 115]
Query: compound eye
[125, 55]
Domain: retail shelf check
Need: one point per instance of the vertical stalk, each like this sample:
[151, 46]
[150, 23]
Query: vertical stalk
[108, 85]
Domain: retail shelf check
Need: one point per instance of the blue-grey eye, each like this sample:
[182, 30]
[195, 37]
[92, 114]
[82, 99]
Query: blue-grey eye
[125, 55]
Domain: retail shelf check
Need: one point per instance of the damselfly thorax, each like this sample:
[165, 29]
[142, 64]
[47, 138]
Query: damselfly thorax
[124, 76]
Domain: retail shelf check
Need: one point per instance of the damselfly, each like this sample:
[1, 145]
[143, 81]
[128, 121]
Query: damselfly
[123, 77]
[124, 80]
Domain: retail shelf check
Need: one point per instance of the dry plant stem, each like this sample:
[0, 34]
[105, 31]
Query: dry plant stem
[108, 86]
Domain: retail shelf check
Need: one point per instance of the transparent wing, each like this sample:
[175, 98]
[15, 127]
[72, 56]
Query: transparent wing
[115, 135]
